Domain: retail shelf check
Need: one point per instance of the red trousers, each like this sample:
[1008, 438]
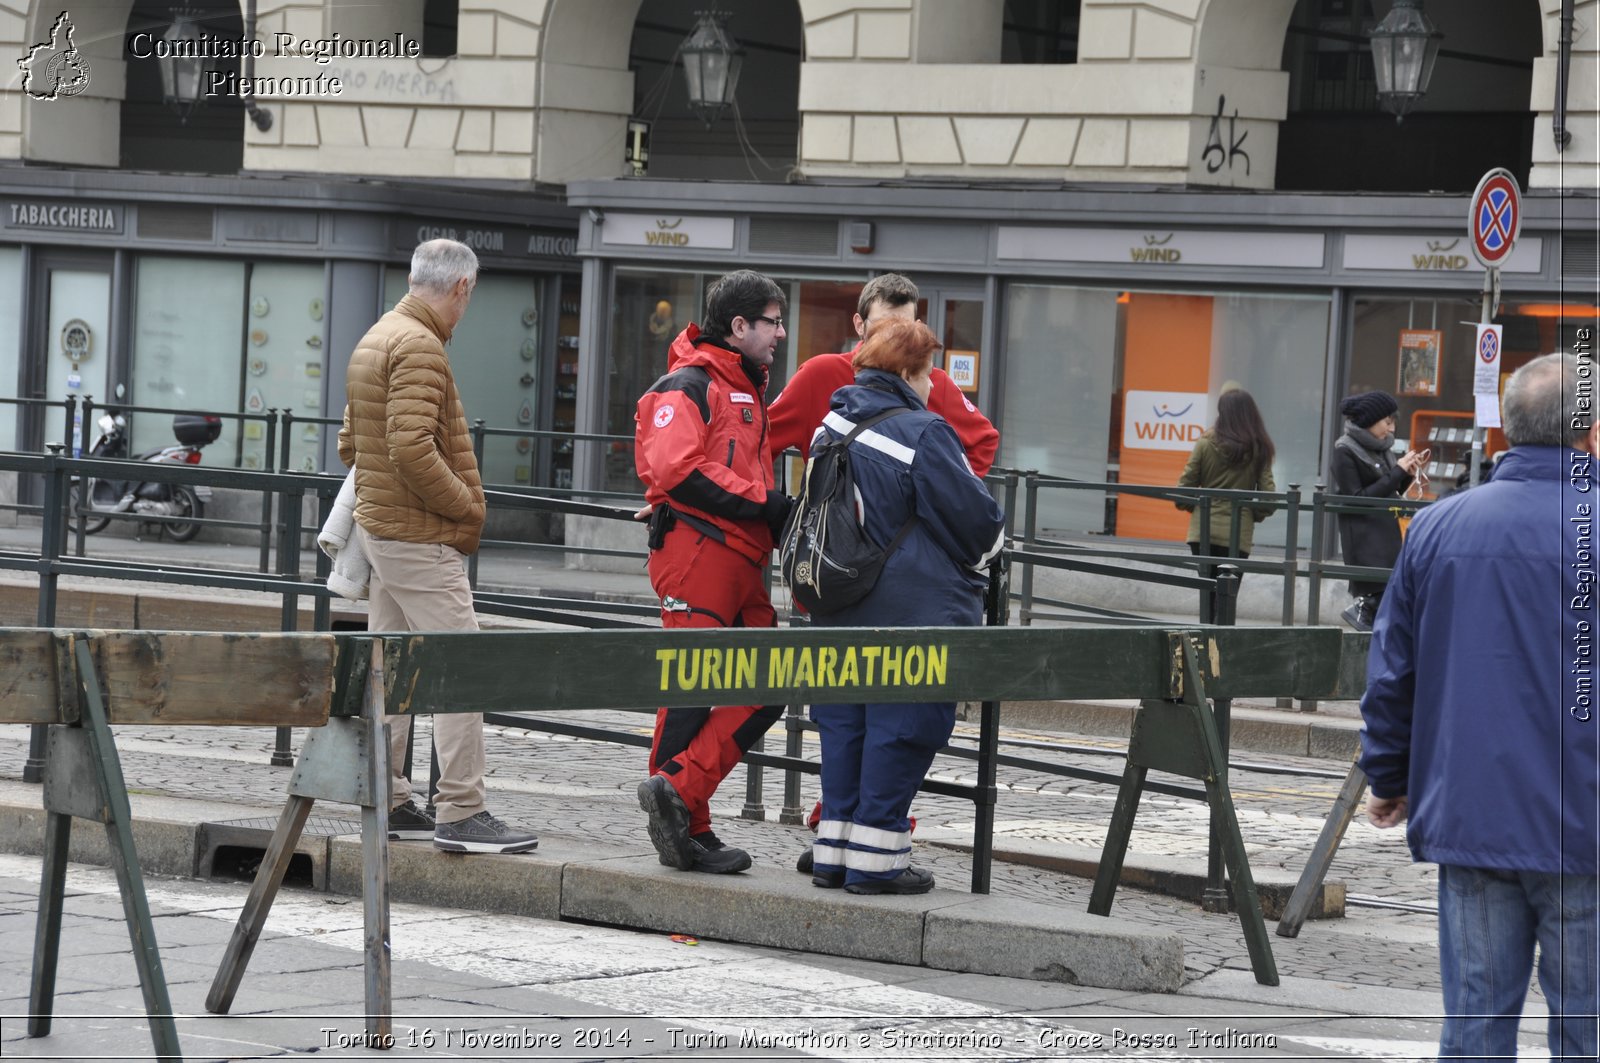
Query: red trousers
[703, 584]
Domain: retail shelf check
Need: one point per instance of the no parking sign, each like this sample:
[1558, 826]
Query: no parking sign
[1486, 375]
[1495, 217]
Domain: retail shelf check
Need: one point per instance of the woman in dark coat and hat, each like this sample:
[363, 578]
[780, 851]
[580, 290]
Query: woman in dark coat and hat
[1364, 463]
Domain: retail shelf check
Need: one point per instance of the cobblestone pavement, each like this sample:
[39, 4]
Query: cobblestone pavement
[583, 789]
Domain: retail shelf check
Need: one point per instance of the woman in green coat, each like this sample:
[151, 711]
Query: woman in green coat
[1235, 453]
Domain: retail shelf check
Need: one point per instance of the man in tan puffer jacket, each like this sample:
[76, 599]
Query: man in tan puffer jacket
[420, 509]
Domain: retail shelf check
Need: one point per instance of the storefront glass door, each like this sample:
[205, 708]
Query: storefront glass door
[956, 317]
[10, 342]
[78, 330]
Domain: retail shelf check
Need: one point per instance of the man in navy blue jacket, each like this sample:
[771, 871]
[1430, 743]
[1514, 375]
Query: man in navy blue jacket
[1481, 720]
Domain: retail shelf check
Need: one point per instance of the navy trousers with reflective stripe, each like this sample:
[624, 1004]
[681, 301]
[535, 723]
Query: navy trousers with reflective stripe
[873, 758]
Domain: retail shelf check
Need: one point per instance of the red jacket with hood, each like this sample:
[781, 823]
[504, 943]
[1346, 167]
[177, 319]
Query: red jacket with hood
[700, 442]
[803, 403]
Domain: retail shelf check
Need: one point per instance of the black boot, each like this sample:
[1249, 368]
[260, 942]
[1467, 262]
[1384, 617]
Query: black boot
[1358, 614]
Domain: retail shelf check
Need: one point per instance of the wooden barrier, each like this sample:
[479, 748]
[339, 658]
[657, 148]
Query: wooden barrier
[79, 683]
[1173, 671]
[1352, 685]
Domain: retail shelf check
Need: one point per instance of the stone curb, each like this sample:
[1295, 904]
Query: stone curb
[628, 887]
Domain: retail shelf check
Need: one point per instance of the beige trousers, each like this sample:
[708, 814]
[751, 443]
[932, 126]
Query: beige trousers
[423, 587]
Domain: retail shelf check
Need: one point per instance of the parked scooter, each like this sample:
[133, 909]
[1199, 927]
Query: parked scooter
[175, 507]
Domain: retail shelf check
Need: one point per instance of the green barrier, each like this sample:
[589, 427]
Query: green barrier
[79, 684]
[629, 669]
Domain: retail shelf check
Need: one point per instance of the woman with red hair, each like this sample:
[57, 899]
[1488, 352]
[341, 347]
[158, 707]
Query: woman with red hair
[908, 465]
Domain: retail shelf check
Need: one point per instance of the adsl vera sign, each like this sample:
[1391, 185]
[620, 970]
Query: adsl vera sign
[1164, 420]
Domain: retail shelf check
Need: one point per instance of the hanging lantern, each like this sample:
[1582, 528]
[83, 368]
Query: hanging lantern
[711, 61]
[1404, 47]
[182, 67]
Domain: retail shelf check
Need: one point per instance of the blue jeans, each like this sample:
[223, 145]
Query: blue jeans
[1489, 922]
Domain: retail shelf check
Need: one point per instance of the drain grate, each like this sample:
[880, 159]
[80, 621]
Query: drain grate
[235, 848]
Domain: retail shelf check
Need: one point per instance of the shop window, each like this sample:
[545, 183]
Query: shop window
[649, 309]
[1040, 31]
[1421, 351]
[219, 336]
[188, 325]
[652, 306]
[1058, 398]
[565, 406]
[1086, 369]
[284, 359]
[496, 356]
[10, 342]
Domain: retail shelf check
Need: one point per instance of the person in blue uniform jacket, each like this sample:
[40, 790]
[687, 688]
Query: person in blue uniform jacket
[875, 755]
[1480, 722]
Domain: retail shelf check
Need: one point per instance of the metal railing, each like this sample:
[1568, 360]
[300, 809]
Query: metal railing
[294, 495]
[1314, 566]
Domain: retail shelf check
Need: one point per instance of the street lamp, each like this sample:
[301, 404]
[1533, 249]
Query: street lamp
[1404, 47]
[711, 61]
[182, 68]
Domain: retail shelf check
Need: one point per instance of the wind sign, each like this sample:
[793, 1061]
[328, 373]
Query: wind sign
[1164, 420]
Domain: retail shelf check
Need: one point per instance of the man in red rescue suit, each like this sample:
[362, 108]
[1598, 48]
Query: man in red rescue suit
[798, 410]
[700, 443]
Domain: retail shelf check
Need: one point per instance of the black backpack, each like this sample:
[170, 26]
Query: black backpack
[825, 555]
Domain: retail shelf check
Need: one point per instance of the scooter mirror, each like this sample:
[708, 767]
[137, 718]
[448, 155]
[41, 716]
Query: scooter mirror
[106, 423]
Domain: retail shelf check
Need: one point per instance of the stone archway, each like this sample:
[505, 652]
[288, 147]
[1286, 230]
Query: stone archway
[1480, 113]
[83, 129]
[87, 128]
[1243, 34]
[210, 139]
[591, 33]
[587, 91]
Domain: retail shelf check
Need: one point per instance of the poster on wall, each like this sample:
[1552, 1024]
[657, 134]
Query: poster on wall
[963, 369]
[1419, 362]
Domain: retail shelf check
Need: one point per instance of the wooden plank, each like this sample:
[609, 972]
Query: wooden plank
[1353, 666]
[468, 672]
[30, 684]
[263, 891]
[47, 932]
[125, 858]
[169, 678]
[1255, 662]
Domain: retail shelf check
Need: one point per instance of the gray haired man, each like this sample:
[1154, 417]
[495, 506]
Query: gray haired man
[420, 509]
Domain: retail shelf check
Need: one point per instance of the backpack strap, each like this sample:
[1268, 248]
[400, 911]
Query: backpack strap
[861, 426]
[900, 536]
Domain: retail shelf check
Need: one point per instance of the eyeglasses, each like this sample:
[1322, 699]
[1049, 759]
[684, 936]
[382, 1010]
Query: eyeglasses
[775, 322]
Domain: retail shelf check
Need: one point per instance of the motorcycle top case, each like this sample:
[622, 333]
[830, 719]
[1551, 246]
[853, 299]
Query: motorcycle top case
[196, 430]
